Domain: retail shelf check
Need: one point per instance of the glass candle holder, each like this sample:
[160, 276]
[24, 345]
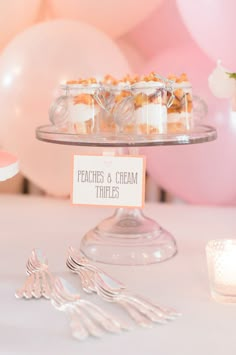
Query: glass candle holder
[221, 260]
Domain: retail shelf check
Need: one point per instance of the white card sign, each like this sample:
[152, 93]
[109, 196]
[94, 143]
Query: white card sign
[105, 180]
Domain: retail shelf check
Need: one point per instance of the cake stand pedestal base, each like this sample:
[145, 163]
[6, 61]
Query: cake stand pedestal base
[128, 238]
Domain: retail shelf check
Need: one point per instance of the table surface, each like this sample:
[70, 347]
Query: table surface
[34, 326]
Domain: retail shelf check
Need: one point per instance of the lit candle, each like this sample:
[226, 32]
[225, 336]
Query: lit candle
[221, 259]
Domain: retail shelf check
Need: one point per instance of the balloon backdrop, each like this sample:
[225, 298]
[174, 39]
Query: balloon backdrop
[220, 83]
[15, 16]
[114, 17]
[187, 58]
[202, 173]
[134, 57]
[163, 28]
[44, 14]
[31, 68]
[212, 24]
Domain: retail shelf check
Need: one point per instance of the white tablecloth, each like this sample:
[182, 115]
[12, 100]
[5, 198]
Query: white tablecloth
[28, 327]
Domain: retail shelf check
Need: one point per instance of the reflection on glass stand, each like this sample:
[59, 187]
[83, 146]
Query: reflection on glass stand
[128, 237]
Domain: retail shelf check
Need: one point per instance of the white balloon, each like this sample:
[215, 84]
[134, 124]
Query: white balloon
[220, 84]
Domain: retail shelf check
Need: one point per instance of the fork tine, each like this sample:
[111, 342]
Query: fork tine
[29, 267]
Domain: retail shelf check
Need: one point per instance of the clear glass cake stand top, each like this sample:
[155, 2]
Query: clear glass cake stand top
[128, 237]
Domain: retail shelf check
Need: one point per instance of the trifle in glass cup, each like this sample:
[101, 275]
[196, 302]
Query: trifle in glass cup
[150, 99]
[77, 109]
[180, 104]
[117, 116]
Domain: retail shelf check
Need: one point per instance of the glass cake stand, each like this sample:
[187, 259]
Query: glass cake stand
[128, 237]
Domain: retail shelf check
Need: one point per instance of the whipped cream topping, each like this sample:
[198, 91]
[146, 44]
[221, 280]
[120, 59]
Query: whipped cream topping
[76, 89]
[118, 88]
[147, 87]
[185, 86]
[123, 84]
[82, 112]
[152, 114]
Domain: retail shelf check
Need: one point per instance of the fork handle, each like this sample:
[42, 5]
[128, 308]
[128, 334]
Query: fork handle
[37, 283]
[172, 313]
[146, 310]
[107, 321]
[139, 318]
[46, 287]
[26, 289]
[77, 329]
[90, 324]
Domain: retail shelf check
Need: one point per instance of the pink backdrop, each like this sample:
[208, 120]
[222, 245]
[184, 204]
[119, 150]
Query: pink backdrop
[117, 37]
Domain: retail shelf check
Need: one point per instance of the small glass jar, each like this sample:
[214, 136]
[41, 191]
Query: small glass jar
[117, 116]
[180, 107]
[150, 111]
[77, 109]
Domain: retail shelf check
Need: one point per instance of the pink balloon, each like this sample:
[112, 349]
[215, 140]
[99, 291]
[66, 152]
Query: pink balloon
[163, 28]
[212, 24]
[44, 13]
[135, 58]
[187, 58]
[15, 16]
[201, 173]
[114, 17]
[31, 68]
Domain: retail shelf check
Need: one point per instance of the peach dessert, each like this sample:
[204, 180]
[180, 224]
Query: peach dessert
[150, 112]
[82, 105]
[117, 92]
[179, 118]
